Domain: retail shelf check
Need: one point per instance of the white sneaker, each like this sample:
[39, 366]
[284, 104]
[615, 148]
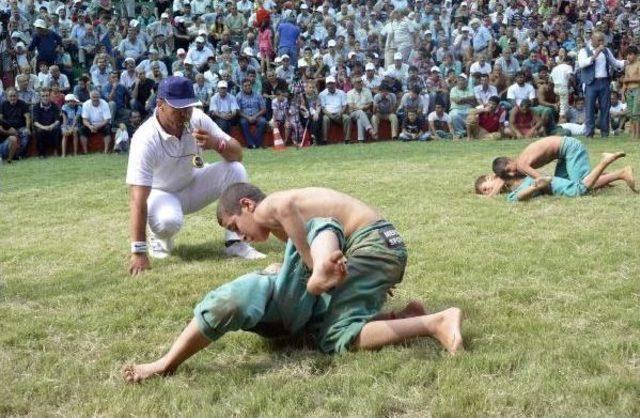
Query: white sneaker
[243, 250]
[160, 248]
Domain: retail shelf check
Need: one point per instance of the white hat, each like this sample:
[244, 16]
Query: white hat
[200, 40]
[331, 42]
[435, 68]
[61, 8]
[180, 51]
[222, 83]
[129, 59]
[464, 3]
[370, 66]
[248, 51]
[428, 32]
[134, 23]
[164, 16]
[330, 79]
[71, 98]
[351, 54]
[202, 32]
[302, 63]
[17, 34]
[178, 74]
[304, 6]
[285, 57]
[466, 29]
[278, 60]
[397, 56]
[179, 19]
[389, 73]
[463, 75]
[474, 21]
[20, 45]
[39, 23]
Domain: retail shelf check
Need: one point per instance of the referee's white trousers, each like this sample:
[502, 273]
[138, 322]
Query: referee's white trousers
[165, 211]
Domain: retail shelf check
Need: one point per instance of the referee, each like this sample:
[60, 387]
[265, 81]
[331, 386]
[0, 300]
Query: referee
[166, 176]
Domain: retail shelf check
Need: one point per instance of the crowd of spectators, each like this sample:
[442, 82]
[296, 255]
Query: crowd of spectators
[438, 69]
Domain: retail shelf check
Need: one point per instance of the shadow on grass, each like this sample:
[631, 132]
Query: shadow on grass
[214, 250]
[208, 250]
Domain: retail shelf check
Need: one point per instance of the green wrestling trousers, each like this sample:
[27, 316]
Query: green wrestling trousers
[279, 305]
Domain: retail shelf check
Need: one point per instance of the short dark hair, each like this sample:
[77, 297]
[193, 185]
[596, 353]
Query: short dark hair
[494, 99]
[479, 182]
[229, 201]
[632, 50]
[500, 165]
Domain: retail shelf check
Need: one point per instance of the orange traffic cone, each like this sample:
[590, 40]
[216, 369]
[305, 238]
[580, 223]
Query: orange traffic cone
[278, 143]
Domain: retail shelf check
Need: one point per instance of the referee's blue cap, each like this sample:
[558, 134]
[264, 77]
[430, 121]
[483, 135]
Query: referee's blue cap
[177, 92]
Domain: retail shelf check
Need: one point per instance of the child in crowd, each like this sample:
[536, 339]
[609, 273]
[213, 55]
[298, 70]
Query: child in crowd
[265, 44]
[280, 111]
[631, 86]
[618, 112]
[412, 128]
[71, 122]
[121, 139]
[440, 126]
[340, 261]
[561, 76]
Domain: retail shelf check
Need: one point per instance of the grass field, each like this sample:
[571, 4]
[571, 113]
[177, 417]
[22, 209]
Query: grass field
[550, 290]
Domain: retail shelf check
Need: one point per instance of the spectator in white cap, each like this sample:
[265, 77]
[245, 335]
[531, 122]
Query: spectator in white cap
[334, 109]
[223, 107]
[128, 76]
[168, 179]
[371, 79]
[199, 53]
[45, 42]
[163, 27]
[462, 44]
[71, 122]
[331, 57]
[285, 70]
[178, 64]
[399, 69]
[463, 99]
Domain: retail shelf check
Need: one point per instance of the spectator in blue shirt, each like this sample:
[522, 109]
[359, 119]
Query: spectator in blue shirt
[287, 38]
[116, 95]
[45, 42]
[252, 110]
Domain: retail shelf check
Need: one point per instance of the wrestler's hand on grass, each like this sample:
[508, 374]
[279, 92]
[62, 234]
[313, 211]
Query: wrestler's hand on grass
[139, 262]
[332, 273]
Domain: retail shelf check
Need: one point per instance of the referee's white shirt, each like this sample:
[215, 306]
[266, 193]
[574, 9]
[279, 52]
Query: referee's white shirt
[161, 160]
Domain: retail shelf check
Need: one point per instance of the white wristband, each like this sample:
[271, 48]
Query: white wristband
[138, 247]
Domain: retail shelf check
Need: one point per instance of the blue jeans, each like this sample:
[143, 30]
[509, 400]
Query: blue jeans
[599, 90]
[253, 141]
[459, 120]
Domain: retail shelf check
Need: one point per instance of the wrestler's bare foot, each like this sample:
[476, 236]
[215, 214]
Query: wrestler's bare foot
[448, 332]
[609, 157]
[627, 176]
[136, 373]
